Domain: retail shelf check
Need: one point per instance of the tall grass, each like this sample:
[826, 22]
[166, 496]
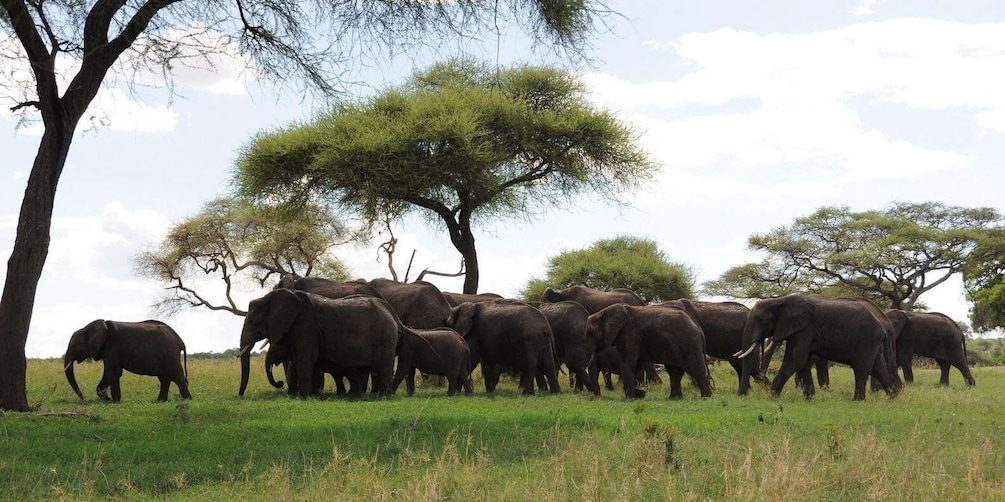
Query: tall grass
[929, 443]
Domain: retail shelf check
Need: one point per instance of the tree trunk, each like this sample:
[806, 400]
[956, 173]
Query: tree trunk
[467, 250]
[24, 268]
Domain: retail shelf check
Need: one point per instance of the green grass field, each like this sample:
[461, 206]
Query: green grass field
[930, 443]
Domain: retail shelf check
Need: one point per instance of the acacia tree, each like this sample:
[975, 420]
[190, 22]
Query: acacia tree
[461, 142]
[622, 262]
[892, 256]
[984, 281]
[235, 240]
[72, 47]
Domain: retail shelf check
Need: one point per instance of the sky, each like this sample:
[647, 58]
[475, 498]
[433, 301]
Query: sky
[757, 112]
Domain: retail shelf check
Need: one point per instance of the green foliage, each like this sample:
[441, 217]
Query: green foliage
[892, 256]
[622, 262]
[508, 447]
[463, 142]
[236, 240]
[984, 281]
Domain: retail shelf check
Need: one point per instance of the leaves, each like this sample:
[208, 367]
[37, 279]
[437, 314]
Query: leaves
[622, 262]
[892, 256]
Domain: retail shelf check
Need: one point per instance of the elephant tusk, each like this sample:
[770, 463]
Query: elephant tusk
[770, 344]
[266, 342]
[67, 365]
[745, 353]
[245, 350]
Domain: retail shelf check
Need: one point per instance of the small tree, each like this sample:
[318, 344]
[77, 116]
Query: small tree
[892, 256]
[235, 240]
[462, 142]
[622, 262]
[984, 281]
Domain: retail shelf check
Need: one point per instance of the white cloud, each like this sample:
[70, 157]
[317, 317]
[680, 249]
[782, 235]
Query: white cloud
[756, 100]
[865, 8]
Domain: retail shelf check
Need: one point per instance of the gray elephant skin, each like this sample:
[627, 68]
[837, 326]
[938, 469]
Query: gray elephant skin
[508, 334]
[930, 334]
[355, 332]
[280, 354]
[326, 287]
[722, 323]
[455, 299]
[572, 347]
[844, 330]
[145, 348]
[419, 304]
[593, 299]
[652, 334]
[438, 351]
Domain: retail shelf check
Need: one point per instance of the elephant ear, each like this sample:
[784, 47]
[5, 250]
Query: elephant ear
[462, 317]
[613, 320]
[899, 319]
[97, 335]
[283, 310]
[792, 317]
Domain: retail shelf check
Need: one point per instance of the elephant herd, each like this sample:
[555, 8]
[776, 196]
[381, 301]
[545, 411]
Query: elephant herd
[376, 334]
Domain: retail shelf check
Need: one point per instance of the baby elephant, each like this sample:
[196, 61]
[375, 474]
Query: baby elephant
[144, 348]
[439, 351]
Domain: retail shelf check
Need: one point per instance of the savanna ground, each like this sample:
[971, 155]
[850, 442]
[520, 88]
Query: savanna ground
[930, 443]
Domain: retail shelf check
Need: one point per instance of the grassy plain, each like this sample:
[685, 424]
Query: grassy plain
[930, 443]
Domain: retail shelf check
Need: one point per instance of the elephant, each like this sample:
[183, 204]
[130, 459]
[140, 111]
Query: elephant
[360, 333]
[593, 299]
[327, 287]
[145, 348]
[419, 304]
[507, 334]
[281, 354]
[438, 351]
[455, 299]
[573, 348]
[722, 323]
[652, 334]
[844, 330]
[822, 366]
[930, 334]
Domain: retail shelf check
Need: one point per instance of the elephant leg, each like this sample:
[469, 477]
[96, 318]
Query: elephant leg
[881, 372]
[961, 365]
[908, 370]
[541, 379]
[490, 373]
[804, 377]
[410, 382]
[702, 378]
[784, 372]
[399, 374]
[584, 378]
[676, 375]
[165, 386]
[628, 381]
[527, 378]
[305, 374]
[823, 372]
[944, 370]
[551, 375]
[182, 384]
[862, 369]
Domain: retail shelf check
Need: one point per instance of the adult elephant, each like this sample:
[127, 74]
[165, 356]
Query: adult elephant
[663, 335]
[843, 330]
[327, 287]
[455, 299]
[438, 351]
[930, 334]
[722, 323]
[508, 334]
[419, 304]
[595, 300]
[356, 332]
[573, 348]
[145, 348]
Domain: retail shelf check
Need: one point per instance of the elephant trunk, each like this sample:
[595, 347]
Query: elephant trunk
[751, 338]
[268, 372]
[68, 369]
[245, 357]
